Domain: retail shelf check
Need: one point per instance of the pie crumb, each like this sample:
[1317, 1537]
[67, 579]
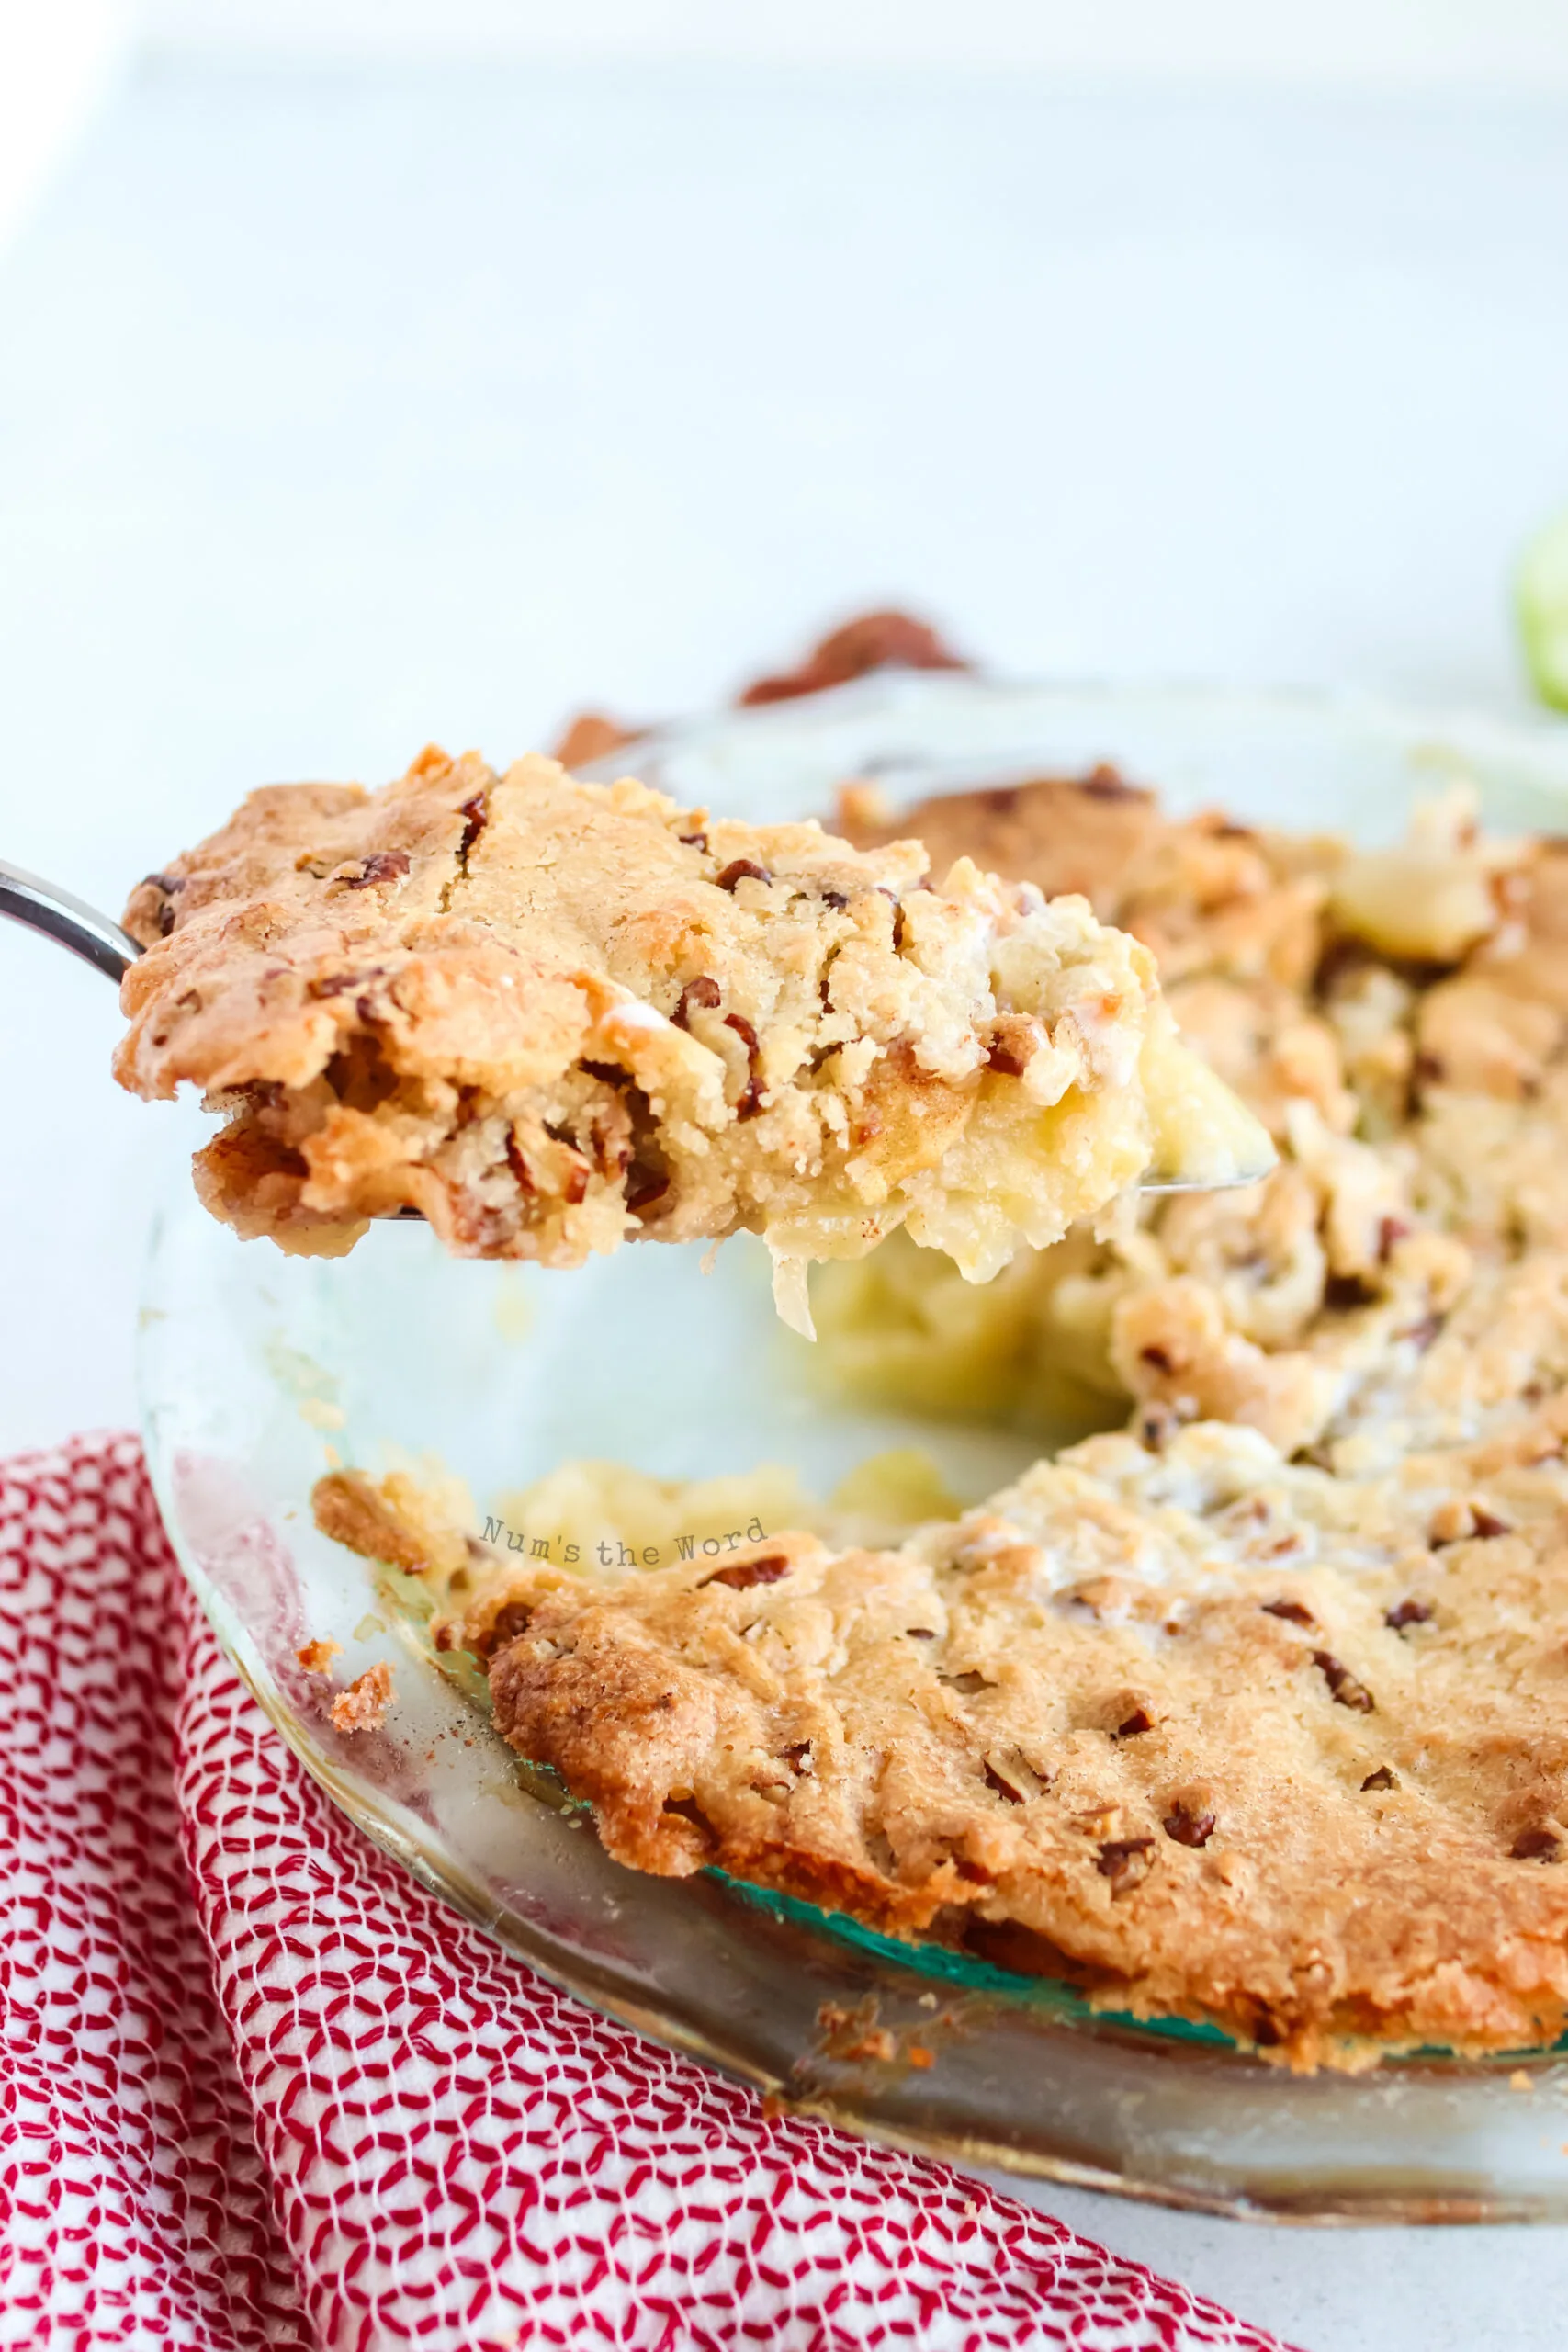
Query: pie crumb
[316, 1658]
[363, 1706]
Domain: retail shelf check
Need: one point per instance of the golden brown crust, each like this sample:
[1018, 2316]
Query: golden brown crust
[549, 1015]
[1407, 1055]
[355, 1512]
[1204, 894]
[1211, 1736]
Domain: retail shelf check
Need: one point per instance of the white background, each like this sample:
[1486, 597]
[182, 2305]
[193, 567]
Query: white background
[352, 394]
[1398, 41]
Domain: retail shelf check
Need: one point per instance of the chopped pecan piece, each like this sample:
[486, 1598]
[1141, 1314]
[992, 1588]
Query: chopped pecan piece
[1294, 1613]
[382, 865]
[474, 812]
[644, 1188]
[1015, 1040]
[1106, 782]
[1536, 1844]
[1407, 1612]
[592, 736]
[1189, 1824]
[751, 1099]
[509, 1620]
[873, 641]
[1344, 1686]
[1125, 1861]
[703, 994]
[741, 1575]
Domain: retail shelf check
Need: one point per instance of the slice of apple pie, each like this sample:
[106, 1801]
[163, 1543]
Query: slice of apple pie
[551, 1015]
[1203, 1732]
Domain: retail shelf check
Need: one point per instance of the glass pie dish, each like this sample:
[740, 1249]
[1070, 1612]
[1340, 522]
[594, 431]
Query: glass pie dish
[260, 1371]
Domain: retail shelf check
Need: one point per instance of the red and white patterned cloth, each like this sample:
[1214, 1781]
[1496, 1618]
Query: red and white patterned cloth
[260, 2089]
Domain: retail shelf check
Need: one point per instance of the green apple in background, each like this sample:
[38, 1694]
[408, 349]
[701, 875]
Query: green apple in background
[1542, 598]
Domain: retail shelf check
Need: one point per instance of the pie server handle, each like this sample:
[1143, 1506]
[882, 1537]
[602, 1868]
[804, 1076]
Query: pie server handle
[27, 898]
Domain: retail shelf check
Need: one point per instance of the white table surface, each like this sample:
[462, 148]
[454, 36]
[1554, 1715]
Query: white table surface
[341, 410]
